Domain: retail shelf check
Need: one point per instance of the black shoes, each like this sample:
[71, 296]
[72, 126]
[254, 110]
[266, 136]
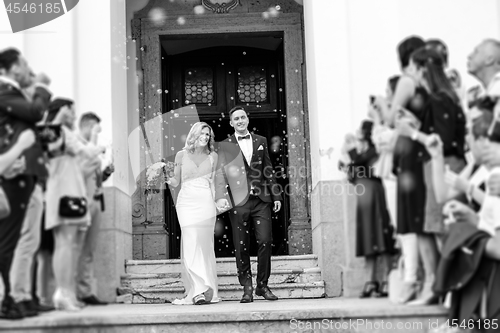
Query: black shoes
[371, 287]
[10, 310]
[383, 290]
[265, 292]
[247, 294]
[93, 300]
[28, 308]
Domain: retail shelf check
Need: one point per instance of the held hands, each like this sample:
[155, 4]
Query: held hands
[222, 205]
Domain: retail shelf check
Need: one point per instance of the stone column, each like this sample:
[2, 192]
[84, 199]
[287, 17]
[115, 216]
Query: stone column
[101, 86]
[328, 59]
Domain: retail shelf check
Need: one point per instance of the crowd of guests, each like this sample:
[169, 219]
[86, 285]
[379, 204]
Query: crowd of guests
[426, 157]
[51, 198]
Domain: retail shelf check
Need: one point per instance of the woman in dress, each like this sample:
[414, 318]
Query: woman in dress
[194, 171]
[66, 178]
[374, 233]
[384, 137]
[442, 115]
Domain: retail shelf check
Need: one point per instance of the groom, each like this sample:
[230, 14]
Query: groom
[245, 181]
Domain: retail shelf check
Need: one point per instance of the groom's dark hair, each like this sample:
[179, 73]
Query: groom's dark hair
[233, 110]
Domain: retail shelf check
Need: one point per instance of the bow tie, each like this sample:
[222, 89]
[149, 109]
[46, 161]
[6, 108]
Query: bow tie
[244, 137]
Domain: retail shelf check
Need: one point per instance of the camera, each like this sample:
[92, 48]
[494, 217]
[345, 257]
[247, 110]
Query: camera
[48, 134]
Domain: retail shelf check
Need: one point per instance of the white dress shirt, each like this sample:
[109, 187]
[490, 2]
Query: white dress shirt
[246, 146]
[8, 80]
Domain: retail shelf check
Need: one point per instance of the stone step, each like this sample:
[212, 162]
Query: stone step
[231, 292]
[223, 264]
[304, 315]
[279, 276]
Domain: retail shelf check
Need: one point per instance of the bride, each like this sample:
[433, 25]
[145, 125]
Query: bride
[194, 171]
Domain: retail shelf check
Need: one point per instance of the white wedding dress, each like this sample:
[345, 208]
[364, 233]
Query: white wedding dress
[197, 214]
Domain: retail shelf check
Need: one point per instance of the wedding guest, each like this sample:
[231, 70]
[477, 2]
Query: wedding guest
[384, 138]
[66, 180]
[484, 64]
[408, 164]
[374, 234]
[442, 115]
[18, 112]
[23, 264]
[89, 129]
[452, 74]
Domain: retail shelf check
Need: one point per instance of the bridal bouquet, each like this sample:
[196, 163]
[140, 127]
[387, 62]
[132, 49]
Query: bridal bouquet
[158, 173]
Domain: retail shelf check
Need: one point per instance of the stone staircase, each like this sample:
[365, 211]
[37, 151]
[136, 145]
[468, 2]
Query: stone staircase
[159, 281]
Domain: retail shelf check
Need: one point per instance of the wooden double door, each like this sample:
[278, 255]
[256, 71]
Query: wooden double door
[209, 82]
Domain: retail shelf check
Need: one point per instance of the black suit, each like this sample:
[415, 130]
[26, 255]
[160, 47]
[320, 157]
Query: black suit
[251, 190]
[16, 115]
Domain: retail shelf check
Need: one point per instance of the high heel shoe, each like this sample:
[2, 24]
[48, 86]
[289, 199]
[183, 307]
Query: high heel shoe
[63, 301]
[199, 299]
[383, 291]
[427, 296]
[369, 288]
[408, 292]
[209, 295]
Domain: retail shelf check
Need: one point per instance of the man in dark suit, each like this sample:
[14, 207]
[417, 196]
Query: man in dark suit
[18, 112]
[246, 182]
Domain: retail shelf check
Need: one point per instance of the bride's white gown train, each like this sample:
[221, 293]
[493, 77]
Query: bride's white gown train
[197, 214]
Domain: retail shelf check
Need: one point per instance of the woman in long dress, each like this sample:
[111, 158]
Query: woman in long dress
[194, 171]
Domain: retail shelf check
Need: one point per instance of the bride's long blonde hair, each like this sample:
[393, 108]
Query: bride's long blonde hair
[195, 133]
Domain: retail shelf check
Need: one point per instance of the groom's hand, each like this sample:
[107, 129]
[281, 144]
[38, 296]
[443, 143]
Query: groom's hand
[277, 206]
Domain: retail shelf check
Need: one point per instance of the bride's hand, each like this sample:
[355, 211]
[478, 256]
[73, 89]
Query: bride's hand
[222, 204]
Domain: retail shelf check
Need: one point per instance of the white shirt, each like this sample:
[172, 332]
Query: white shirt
[246, 146]
[16, 85]
[493, 88]
[8, 80]
[489, 215]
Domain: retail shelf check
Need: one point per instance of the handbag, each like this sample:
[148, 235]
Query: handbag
[396, 281]
[72, 207]
[4, 204]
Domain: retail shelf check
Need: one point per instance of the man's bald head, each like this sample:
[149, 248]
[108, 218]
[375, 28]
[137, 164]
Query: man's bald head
[485, 59]
[492, 50]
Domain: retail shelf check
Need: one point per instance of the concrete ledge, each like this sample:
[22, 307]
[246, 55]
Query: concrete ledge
[259, 316]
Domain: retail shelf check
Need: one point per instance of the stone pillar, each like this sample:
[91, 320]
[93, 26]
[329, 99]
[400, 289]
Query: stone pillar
[101, 76]
[328, 59]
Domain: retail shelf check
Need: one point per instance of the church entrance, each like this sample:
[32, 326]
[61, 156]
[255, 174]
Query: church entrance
[214, 74]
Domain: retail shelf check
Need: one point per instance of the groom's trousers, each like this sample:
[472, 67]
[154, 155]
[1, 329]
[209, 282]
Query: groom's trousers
[257, 213]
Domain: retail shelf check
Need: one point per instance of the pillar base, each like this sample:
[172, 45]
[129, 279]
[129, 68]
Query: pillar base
[299, 237]
[114, 243]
